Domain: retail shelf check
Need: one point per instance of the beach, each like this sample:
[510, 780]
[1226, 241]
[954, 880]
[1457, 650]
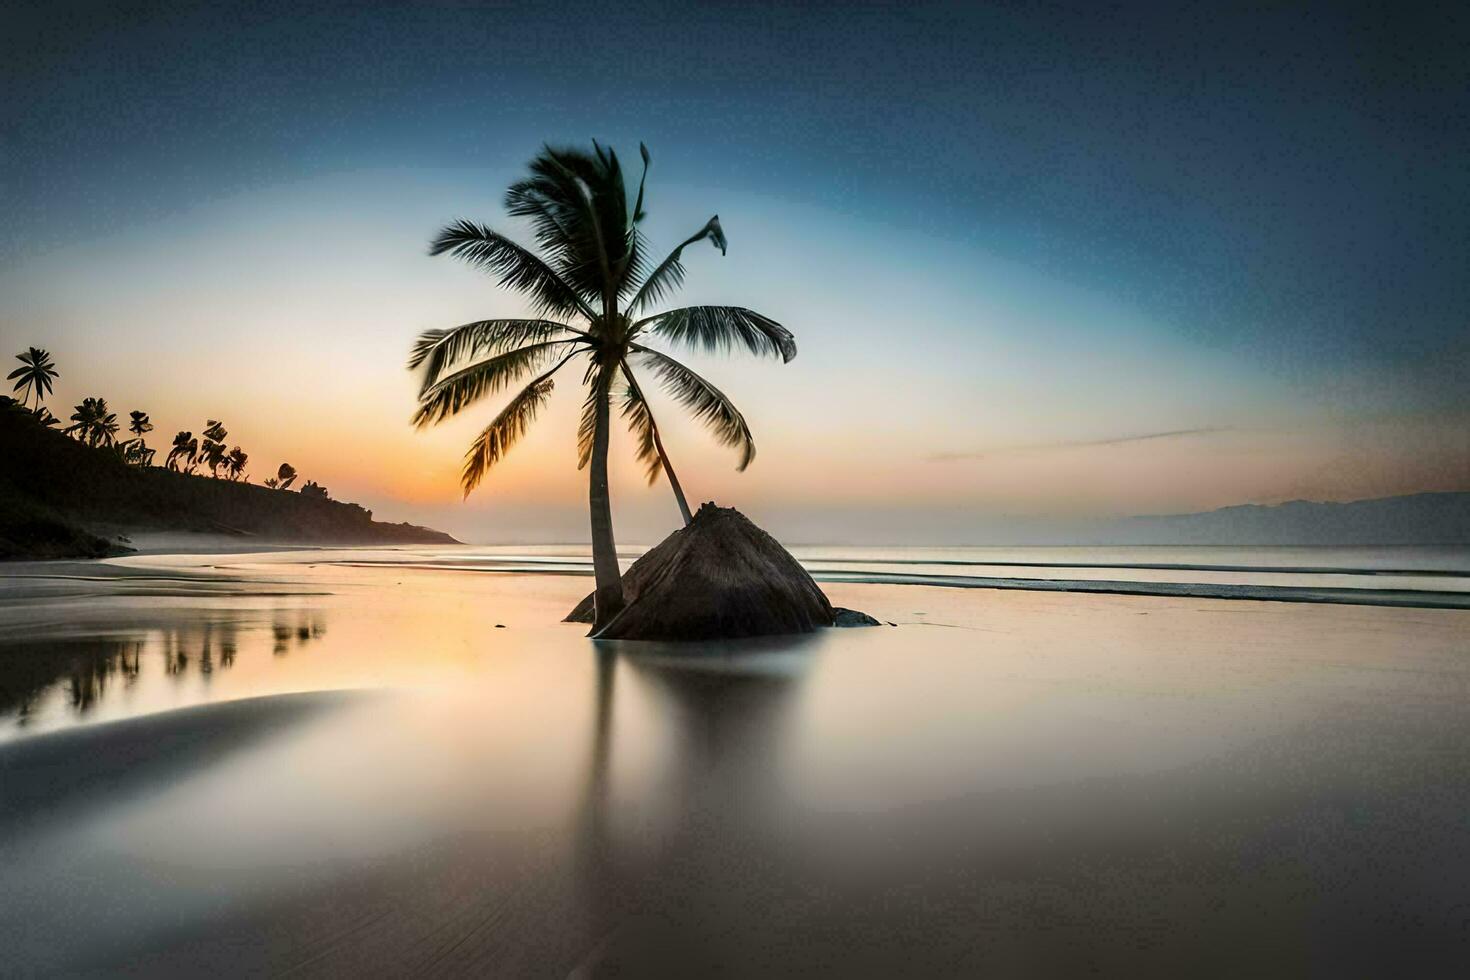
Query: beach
[381, 762]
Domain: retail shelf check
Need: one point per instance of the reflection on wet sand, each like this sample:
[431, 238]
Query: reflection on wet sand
[652, 903]
[1050, 786]
[87, 671]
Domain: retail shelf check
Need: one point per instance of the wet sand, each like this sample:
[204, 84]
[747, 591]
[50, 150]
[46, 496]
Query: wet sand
[273, 764]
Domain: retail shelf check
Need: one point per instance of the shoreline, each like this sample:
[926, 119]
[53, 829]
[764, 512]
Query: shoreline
[183, 545]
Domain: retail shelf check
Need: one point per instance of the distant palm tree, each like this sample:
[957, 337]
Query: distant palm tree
[186, 449]
[137, 451]
[285, 476]
[235, 462]
[214, 455]
[212, 450]
[35, 375]
[93, 424]
[593, 267]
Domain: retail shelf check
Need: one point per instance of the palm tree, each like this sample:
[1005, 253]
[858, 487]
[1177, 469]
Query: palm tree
[212, 450]
[285, 476]
[593, 267]
[186, 448]
[93, 424]
[214, 455]
[235, 462]
[35, 375]
[139, 425]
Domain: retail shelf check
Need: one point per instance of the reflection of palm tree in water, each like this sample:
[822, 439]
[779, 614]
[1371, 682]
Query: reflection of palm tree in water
[282, 633]
[91, 672]
[644, 908]
[85, 668]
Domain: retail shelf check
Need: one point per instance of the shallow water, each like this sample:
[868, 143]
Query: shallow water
[263, 764]
[1407, 575]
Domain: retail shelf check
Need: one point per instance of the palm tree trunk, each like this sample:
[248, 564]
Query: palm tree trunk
[608, 597]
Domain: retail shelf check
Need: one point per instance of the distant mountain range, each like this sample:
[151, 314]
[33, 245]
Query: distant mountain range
[1420, 518]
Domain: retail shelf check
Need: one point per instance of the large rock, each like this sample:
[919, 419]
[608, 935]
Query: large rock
[719, 578]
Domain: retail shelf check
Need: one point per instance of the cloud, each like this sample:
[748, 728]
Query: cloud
[1077, 444]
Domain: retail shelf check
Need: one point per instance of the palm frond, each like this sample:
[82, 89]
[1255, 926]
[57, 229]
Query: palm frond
[587, 428]
[577, 204]
[640, 421]
[469, 384]
[437, 349]
[500, 435]
[515, 266]
[669, 275]
[706, 402]
[721, 328]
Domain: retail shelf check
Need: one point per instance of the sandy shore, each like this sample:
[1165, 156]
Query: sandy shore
[274, 763]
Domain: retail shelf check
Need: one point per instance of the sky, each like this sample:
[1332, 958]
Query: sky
[1042, 261]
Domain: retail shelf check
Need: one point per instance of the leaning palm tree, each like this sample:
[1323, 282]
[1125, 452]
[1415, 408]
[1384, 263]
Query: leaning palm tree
[235, 462]
[212, 451]
[285, 476]
[35, 374]
[593, 269]
[214, 455]
[185, 450]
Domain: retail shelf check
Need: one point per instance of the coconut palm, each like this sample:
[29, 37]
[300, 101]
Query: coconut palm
[285, 476]
[235, 462]
[185, 449]
[93, 424]
[137, 449]
[212, 451]
[214, 455]
[34, 376]
[594, 270]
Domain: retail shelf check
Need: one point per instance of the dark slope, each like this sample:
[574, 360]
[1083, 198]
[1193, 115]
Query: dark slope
[56, 494]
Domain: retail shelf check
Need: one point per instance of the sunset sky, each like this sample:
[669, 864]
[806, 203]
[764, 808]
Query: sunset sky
[1040, 263]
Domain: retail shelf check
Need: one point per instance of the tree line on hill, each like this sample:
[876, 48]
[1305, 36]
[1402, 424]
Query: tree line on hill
[94, 424]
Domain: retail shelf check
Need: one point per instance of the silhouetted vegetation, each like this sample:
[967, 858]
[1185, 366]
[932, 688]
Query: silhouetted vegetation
[594, 268]
[185, 453]
[136, 451]
[56, 493]
[93, 424]
[235, 463]
[212, 450]
[34, 376]
[285, 476]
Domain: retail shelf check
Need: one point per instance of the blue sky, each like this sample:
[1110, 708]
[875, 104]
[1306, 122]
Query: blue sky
[1012, 241]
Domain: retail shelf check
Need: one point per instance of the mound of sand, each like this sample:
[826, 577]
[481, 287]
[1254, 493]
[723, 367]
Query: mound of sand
[721, 577]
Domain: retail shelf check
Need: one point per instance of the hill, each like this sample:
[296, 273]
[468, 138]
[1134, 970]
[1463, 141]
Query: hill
[57, 498]
[1420, 518]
